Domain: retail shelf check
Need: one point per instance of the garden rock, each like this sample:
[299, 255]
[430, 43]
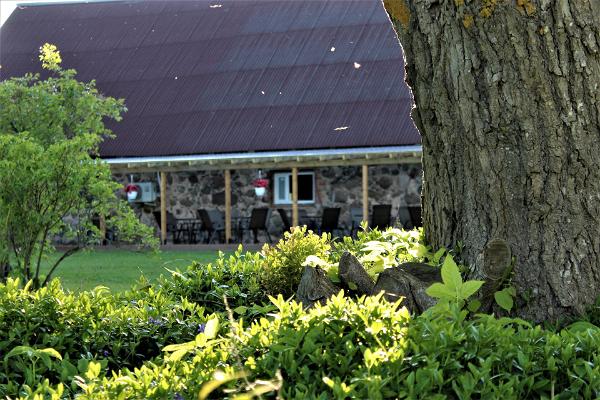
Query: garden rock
[408, 280]
[315, 287]
[353, 275]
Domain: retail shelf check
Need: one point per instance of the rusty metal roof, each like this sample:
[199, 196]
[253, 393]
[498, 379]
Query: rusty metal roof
[202, 77]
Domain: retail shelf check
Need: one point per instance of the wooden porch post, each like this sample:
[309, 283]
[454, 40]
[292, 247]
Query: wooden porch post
[163, 207]
[295, 196]
[365, 192]
[227, 206]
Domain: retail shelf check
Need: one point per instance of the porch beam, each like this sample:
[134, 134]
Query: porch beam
[227, 206]
[163, 207]
[365, 192]
[212, 166]
[295, 196]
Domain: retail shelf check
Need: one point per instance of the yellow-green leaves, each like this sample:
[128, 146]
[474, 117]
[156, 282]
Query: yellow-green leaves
[50, 57]
[453, 288]
[179, 350]
[93, 370]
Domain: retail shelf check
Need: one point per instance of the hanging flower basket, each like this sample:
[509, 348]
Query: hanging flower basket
[132, 191]
[260, 186]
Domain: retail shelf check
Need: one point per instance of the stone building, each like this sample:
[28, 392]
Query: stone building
[308, 94]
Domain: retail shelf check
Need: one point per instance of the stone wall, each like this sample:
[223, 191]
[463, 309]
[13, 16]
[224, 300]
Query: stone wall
[398, 185]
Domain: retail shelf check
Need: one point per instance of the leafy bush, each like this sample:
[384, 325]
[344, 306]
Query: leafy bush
[345, 347]
[234, 277]
[283, 263]
[365, 349]
[370, 349]
[123, 331]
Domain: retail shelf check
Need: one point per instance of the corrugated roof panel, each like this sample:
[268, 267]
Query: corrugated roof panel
[194, 75]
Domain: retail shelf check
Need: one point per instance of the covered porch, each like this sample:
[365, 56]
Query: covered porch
[302, 185]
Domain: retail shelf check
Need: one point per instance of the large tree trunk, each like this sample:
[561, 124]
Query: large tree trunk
[507, 98]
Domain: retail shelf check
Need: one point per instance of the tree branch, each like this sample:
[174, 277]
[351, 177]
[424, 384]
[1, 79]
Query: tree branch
[67, 254]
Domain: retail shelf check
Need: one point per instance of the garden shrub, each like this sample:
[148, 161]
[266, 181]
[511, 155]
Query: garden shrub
[234, 277]
[284, 263]
[345, 346]
[123, 331]
[371, 349]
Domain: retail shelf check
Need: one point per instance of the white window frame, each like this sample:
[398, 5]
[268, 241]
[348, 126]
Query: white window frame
[288, 178]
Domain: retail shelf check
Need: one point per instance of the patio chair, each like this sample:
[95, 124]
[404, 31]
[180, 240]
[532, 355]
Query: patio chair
[356, 217]
[415, 216]
[257, 222]
[284, 220]
[209, 227]
[382, 216]
[330, 220]
[179, 231]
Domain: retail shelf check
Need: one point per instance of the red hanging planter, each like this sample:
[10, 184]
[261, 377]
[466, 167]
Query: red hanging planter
[260, 186]
[132, 191]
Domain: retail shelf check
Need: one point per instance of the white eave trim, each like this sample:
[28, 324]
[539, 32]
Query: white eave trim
[413, 150]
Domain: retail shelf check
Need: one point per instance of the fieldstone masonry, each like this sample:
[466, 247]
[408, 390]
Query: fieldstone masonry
[398, 185]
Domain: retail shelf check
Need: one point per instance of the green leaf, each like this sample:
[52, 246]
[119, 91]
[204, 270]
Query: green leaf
[581, 326]
[93, 370]
[20, 350]
[438, 255]
[440, 291]
[450, 273]
[240, 310]
[504, 299]
[51, 352]
[177, 355]
[474, 305]
[212, 328]
[469, 288]
[352, 285]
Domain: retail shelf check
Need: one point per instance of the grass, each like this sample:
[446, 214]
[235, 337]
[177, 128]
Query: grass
[119, 269]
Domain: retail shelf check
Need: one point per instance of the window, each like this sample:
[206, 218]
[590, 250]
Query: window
[282, 189]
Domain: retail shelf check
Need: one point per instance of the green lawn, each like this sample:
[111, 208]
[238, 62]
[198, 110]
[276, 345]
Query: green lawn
[119, 269]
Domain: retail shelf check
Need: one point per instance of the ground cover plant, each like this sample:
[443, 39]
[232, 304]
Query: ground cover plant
[176, 339]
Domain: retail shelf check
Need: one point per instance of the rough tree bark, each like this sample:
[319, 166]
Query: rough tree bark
[507, 99]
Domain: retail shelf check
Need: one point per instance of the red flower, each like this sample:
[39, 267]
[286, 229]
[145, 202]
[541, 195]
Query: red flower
[132, 188]
[260, 183]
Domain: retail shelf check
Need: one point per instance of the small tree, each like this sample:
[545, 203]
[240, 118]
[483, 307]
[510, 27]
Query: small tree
[51, 181]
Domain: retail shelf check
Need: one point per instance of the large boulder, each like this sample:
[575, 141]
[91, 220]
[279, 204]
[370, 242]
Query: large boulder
[408, 280]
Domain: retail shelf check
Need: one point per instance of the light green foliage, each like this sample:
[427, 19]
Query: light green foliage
[504, 297]
[378, 250]
[49, 136]
[234, 277]
[49, 333]
[371, 349]
[283, 263]
[452, 288]
[346, 345]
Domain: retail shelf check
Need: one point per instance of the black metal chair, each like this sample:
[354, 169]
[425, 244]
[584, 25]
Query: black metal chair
[208, 227]
[330, 220]
[382, 216]
[257, 222]
[415, 216]
[284, 220]
[178, 230]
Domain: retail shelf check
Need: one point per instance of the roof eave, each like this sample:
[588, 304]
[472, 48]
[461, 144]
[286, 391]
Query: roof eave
[270, 159]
